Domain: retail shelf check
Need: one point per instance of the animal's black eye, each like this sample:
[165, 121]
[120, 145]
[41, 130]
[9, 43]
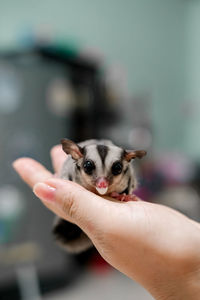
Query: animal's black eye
[88, 166]
[117, 168]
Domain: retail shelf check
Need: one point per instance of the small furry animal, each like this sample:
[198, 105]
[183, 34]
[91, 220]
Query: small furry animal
[102, 168]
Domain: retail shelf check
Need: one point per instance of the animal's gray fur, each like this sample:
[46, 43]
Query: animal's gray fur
[127, 181]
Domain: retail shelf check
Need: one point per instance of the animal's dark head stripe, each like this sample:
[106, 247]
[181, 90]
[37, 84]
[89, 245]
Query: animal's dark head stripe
[103, 151]
[84, 151]
[122, 154]
[126, 170]
[78, 167]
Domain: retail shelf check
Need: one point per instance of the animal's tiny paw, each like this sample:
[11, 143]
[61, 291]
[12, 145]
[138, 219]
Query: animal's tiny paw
[123, 197]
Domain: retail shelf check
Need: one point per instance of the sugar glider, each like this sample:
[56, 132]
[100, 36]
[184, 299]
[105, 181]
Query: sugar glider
[101, 167]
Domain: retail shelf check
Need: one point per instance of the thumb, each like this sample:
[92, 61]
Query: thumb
[75, 204]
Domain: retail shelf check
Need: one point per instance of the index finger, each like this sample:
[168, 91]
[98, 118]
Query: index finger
[31, 171]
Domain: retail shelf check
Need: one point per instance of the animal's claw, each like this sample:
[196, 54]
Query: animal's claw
[123, 197]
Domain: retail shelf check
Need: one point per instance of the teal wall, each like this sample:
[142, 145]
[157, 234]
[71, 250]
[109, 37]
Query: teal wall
[192, 134]
[147, 37]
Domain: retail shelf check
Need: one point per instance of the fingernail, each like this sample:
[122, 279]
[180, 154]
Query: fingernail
[44, 191]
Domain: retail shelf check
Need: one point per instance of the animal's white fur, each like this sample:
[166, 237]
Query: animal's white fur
[119, 182]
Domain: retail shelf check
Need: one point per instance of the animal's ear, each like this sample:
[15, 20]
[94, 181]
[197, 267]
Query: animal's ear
[131, 154]
[70, 147]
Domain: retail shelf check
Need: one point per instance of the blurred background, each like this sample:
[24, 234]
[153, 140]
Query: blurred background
[124, 70]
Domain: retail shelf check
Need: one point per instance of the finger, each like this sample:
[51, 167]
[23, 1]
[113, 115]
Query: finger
[53, 207]
[78, 205]
[31, 171]
[58, 157]
[195, 223]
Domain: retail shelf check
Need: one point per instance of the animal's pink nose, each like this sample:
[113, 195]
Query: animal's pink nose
[102, 182]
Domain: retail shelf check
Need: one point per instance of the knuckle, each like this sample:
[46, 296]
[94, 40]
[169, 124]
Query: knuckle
[69, 205]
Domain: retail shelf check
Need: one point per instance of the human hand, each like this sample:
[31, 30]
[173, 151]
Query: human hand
[153, 244]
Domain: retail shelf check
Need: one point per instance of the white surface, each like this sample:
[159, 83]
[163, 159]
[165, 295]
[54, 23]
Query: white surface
[107, 286]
